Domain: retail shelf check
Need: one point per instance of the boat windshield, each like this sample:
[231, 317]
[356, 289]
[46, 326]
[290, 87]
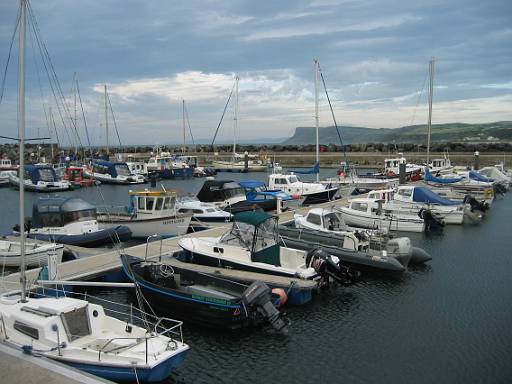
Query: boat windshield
[85, 215]
[266, 235]
[241, 234]
[122, 169]
[46, 174]
[293, 179]
[332, 221]
[232, 190]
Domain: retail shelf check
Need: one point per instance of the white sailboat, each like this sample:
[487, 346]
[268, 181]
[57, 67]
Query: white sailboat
[75, 331]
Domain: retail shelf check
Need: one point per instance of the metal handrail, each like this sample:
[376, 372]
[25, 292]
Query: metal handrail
[155, 236]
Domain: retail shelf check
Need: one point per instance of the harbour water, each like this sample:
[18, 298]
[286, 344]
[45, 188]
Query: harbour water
[446, 322]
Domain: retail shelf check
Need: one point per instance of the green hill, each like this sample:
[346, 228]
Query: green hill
[410, 134]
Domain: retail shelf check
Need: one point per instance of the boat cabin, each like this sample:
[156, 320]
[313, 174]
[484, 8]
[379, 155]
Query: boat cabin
[110, 168]
[36, 173]
[6, 165]
[154, 203]
[383, 194]
[59, 211]
[215, 191]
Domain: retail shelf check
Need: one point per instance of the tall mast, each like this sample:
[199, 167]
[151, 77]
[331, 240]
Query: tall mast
[183, 112]
[430, 95]
[106, 119]
[75, 81]
[21, 134]
[317, 64]
[235, 125]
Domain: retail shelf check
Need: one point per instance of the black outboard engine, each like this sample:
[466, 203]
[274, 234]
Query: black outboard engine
[432, 222]
[258, 296]
[330, 266]
[476, 205]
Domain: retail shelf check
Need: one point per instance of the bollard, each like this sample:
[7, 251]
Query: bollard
[401, 171]
[246, 161]
[279, 205]
[153, 181]
[476, 165]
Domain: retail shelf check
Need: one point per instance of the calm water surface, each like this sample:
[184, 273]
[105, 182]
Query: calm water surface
[447, 322]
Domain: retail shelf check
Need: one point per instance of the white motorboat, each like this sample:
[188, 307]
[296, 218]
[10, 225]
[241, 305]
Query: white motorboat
[392, 167]
[311, 192]
[36, 254]
[370, 213]
[112, 173]
[40, 178]
[149, 213]
[225, 194]
[412, 199]
[204, 215]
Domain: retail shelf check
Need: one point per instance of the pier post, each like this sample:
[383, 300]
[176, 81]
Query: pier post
[279, 201]
[476, 165]
[246, 161]
[401, 171]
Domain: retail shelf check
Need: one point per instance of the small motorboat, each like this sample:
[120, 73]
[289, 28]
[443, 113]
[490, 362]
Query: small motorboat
[204, 215]
[202, 298]
[82, 335]
[36, 254]
[75, 176]
[149, 213]
[313, 193]
[257, 193]
[252, 244]
[71, 221]
[109, 172]
[225, 194]
[40, 178]
[167, 166]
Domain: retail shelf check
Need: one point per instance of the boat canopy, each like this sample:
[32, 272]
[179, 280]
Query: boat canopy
[41, 173]
[478, 177]
[59, 211]
[251, 184]
[252, 217]
[218, 190]
[440, 180]
[307, 171]
[425, 195]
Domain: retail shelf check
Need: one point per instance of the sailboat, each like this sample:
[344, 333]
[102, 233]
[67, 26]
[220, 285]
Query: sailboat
[239, 162]
[74, 331]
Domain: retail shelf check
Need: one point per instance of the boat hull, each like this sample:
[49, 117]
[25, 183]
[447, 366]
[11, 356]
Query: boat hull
[384, 223]
[165, 226]
[175, 173]
[89, 240]
[319, 197]
[33, 258]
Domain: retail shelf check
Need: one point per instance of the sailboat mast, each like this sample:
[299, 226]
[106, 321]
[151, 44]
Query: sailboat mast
[21, 134]
[430, 94]
[183, 112]
[106, 119]
[235, 125]
[317, 117]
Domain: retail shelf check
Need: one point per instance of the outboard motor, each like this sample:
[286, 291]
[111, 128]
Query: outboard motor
[432, 222]
[476, 205]
[258, 296]
[330, 266]
[499, 189]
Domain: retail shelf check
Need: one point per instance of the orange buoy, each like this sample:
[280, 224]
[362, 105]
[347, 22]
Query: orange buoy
[283, 297]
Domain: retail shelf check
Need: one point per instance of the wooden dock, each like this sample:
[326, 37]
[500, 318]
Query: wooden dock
[98, 264]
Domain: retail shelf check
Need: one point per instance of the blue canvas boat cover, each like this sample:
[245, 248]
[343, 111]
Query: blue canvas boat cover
[425, 195]
[307, 171]
[478, 177]
[430, 177]
[251, 184]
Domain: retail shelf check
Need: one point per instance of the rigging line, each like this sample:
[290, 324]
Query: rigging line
[46, 55]
[189, 128]
[333, 117]
[9, 55]
[114, 119]
[83, 116]
[45, 64]
[419, 97]
[222, 117]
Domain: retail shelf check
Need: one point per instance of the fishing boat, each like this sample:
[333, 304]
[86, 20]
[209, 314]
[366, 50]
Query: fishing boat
[6, 165]
[149, 213]
[71, 221]
[36, 253]
[313, 193]
[372, 214]
[225, 194]
[75, 176]
[204, 215]
[108, 172]
[267, 199]
[202, 298]
[392, 168]
[40, 178]
[76, 332]
[412, 199]
[252, 244]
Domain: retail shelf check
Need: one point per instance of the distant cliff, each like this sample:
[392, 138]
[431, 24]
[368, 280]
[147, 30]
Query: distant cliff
[455, 132]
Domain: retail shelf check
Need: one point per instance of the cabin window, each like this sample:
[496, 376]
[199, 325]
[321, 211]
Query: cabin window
[97, 168]
[70, 217]
[405, 192]
[26, 329]
[159, 203]
[150, 201]
[167, 203]
[50, 219]
[46, 174]
[142, 203]
[184, 210]
[314, 219]
[211, 210]
[76, 323]
[293, 179]
[331, 221]
[122, 169]
[360, 206]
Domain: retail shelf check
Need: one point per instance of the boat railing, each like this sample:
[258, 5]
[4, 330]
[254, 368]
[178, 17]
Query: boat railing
[155, 237]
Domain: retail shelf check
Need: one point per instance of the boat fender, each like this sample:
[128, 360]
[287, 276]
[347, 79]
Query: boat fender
[283, 297]
[296, 196]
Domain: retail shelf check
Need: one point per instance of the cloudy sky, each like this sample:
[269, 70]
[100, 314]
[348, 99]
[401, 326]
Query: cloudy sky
[152, 54]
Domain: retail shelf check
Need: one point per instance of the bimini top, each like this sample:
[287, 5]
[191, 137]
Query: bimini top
[61, 205]
[252, 217]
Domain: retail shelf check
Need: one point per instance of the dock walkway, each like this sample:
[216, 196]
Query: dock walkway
[98, 264]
